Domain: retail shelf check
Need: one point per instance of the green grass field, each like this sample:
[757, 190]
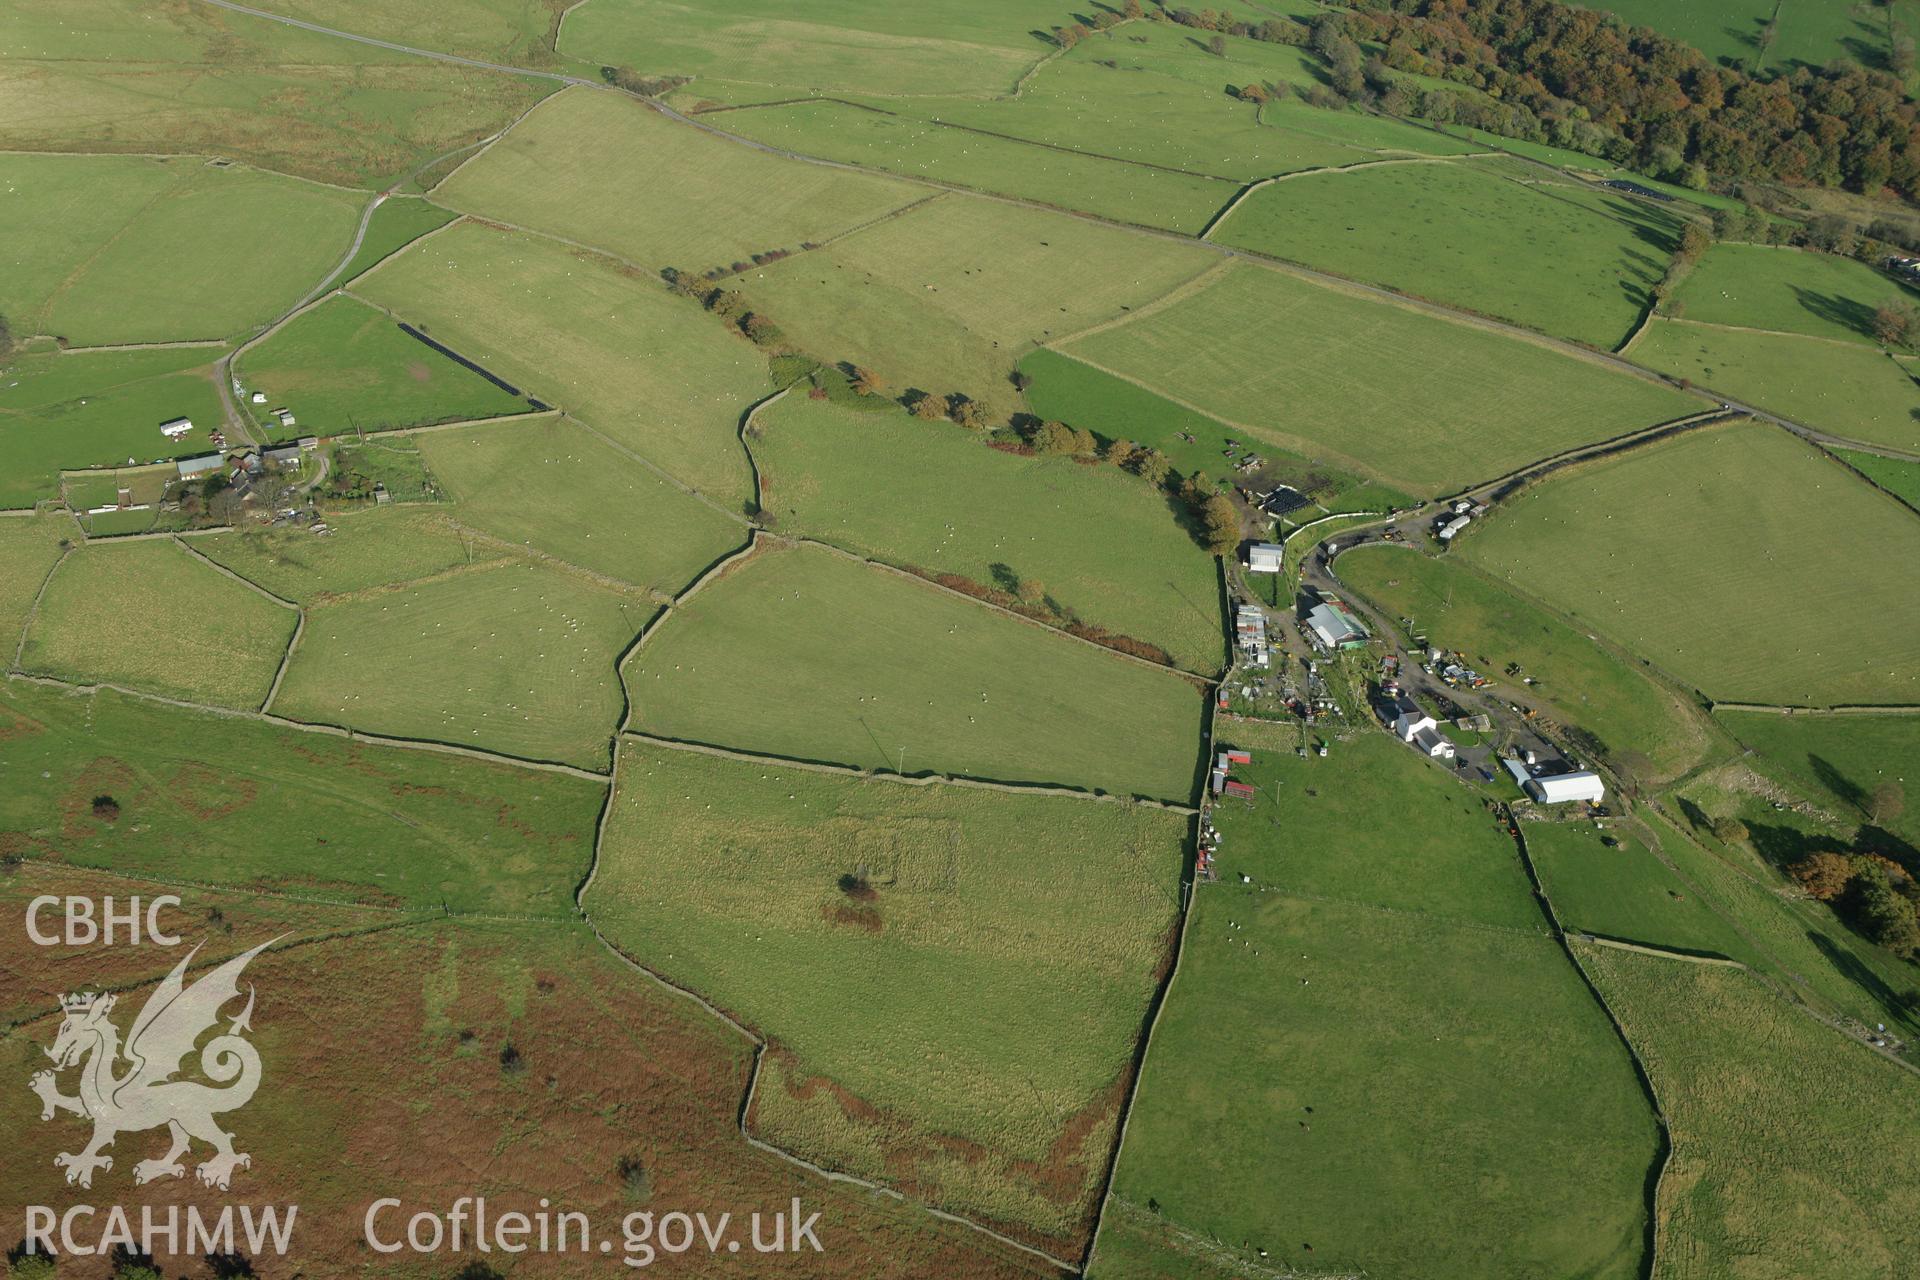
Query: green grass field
[1735, 552]
[694, 202]
[1794, 1153]
[1841, 761]
[1001, 938]
[512, 658]
[218, 800]
[104, 408]
[397, 223]
[1789, 291]
[804, 653]
[1492, 237]
[1373, 1054]
[1625, 892]
[516, 32]
[1849, 390]
[1064, 389]
[368, 547]
[850, 45]
[553, 486]
[951, 296]
[1104, 545]
[29, 546]
[1581, 682]
[1421, 403]
[646, 368]
[345, 366]
[150, 616]
[1896, 475]
[123, 76]
[1811, 32]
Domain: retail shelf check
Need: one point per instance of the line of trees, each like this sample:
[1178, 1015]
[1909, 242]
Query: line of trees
[1875, 893]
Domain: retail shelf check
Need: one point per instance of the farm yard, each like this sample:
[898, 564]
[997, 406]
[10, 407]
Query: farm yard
[1724, 556]
[1078, 542]
[1496, 237]
[865, 610]
[900, 946]
[805, 653]
[155, 617]
[1332, 375]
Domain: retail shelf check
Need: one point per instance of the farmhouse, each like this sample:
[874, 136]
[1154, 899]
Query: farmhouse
[1334, 627]
[1265, 557]
[1561, 788]
[1430, 742]
[176, 428]
[1409, 719]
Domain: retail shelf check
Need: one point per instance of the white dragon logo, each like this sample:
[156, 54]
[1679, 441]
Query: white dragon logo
[145, 1096]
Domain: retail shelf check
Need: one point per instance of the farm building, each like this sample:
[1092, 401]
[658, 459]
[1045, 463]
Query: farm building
[1561, 788]
[1334, 627]
[1265, 557]
[259, 397]
[191, 467]
[176, 428]
[1409, 719]
[1449, 528]
[287, 455]
[1430, 742]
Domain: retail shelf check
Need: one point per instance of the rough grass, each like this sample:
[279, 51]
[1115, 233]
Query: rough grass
[1369, 1047]
[1794, 1152]
[397, 223]
[1896, 475]
[513, 658]
[1849, 390]
[554, 487]
[1581, 682]
[1424, 404]
[28, 548]
[1493, 237]
[1841, 761]
[617, 351]
[1625, 892]
[133, 77]
[515, 32]
[219, 800]
[994, 938]
[950, 296]
[1736, 558]
[345, 366]
[1788, 290]
[870, 46]
[369, 547]
[688, 199]
[99, 409]
[1104, 546]
[150, 616]
[804, 653]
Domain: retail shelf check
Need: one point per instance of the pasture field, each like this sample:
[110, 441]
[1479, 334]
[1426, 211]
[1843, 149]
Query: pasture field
[1772, 1117]
[29, 547]
[1583, 684]
[392, 459]
[368, 547]
[384, 1068]
[917, 148]
[1423, 404]
[857, 46]
[514, 658]
[1377, 1049]
[1850, 390]
[698, 202]
[1065, 389]
[1493, 237]
[150, 616]
[1841, 761]
[215, 799]
[397, 223]
[980, 938]
[344, 366]
[66, 410]
[1821, 295]
[553, 486]
[123, 76]
[1895, 475]
[1738, 549]
[1102, 545]
[618, 352]
[1625, 892]
[805, 653]
[953, 294]
[516, 32]
[1724, 30]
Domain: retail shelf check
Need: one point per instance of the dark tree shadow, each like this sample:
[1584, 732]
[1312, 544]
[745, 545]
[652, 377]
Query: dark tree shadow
[1849, 966]
[1835, 781]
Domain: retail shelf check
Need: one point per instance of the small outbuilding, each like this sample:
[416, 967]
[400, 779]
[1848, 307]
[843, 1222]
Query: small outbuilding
[1265, 557]
[176, 428]
[1430, 741]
